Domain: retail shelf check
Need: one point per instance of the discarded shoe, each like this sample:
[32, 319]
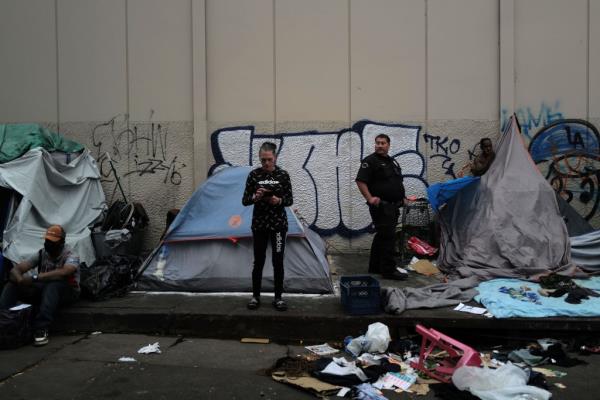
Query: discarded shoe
[40, 337]
[279, 305]
[253, 304]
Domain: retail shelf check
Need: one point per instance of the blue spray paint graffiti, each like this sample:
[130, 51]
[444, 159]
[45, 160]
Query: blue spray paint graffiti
[530, 120]
[568, 153]
[323, 165]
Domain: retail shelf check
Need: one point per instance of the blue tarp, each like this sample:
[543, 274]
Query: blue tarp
[439, 193]
[215, 210]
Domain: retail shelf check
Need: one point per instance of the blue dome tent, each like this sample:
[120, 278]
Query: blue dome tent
[208, 247]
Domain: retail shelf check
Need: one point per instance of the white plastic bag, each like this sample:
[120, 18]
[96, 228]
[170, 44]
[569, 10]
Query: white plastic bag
[378, 336]
[358, 345]
[508, 382]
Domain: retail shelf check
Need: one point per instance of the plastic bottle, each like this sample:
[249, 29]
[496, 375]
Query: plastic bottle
[161, 263]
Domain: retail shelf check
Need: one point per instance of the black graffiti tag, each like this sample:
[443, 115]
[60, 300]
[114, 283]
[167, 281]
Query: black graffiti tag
[443, 148]
[153, 166]
[121, 144]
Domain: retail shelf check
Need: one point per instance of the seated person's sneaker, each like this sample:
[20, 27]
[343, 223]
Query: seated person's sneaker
[40, 337]
[279, 304]
[253, 304]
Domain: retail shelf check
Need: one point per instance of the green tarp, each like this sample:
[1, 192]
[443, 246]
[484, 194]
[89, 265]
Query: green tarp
[18, 139]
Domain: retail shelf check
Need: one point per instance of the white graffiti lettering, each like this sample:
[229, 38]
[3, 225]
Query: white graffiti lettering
[323, 166]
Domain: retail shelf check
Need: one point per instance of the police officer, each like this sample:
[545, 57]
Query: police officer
[379, 180]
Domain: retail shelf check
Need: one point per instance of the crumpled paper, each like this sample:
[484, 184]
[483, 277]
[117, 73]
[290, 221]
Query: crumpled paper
[151, 348]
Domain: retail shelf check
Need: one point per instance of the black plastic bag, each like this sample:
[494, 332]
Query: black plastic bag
[108, 277]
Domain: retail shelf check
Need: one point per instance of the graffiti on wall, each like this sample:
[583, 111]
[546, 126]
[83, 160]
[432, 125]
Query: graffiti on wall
[142, 147]
[443, 149]
[532, 119]
[567, 152]
[323, 165]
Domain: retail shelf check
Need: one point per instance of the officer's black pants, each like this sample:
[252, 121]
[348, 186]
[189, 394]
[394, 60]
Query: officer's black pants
[385, 218]
[261, 240]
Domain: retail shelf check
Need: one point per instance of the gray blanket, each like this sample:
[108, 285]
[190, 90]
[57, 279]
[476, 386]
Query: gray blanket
[396, 300]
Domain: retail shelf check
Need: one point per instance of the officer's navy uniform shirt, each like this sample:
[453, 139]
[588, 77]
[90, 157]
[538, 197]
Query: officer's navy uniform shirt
[383, 177]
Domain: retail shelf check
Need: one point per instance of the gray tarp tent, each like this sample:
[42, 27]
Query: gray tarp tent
[208, 247]
[54, 190]
[508, 224]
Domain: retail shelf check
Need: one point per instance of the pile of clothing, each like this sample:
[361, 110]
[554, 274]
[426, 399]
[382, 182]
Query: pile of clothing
[371, 364]
[555, 285]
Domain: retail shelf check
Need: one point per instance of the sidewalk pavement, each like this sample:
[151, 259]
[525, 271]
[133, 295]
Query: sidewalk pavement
[86, 367]
[309, 319]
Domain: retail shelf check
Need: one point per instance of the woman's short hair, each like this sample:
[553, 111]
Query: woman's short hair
[268, 146]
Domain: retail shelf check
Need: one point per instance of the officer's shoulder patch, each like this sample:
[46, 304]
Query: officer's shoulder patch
[365, 165]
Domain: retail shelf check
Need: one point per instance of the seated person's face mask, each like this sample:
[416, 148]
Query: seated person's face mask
[53, 248]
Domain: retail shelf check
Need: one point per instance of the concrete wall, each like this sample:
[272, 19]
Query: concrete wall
[172, 90]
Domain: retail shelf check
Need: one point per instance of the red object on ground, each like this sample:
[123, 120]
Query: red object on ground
[458, 354]
[421, 247]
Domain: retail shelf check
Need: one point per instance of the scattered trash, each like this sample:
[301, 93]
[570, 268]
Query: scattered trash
[342, 367]
[368, 359]
[151, 348]
[458, 354]
[356, 346]
[401, 270]
[524, 356]
[376, 340]
[255, 340]
[395, 380]
[425, 267]
[545, 343]
[469, 309]
[425, 381]
[96, 333]
[379, 338]
[366, 391]
[560, 385]
[589, 349]
[420, 389]
[20, 307]
[127, 359]
[322, 349]
[507, 382]
[308, 383]
[549, 373]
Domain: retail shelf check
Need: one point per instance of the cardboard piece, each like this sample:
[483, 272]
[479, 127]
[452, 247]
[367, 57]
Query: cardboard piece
[307, 383]
[255, 340]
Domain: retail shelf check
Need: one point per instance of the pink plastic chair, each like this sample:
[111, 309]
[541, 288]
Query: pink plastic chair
[458, 354]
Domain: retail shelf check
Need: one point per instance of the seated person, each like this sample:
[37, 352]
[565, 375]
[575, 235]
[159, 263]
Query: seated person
[53, 281]
[482, 161]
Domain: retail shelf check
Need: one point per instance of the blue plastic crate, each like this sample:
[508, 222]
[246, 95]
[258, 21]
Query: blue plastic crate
[360, 294]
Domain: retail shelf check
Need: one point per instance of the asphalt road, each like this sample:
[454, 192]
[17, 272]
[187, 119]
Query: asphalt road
[86, 367]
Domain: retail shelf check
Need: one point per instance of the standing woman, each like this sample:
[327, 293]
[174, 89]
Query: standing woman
[269, 189]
